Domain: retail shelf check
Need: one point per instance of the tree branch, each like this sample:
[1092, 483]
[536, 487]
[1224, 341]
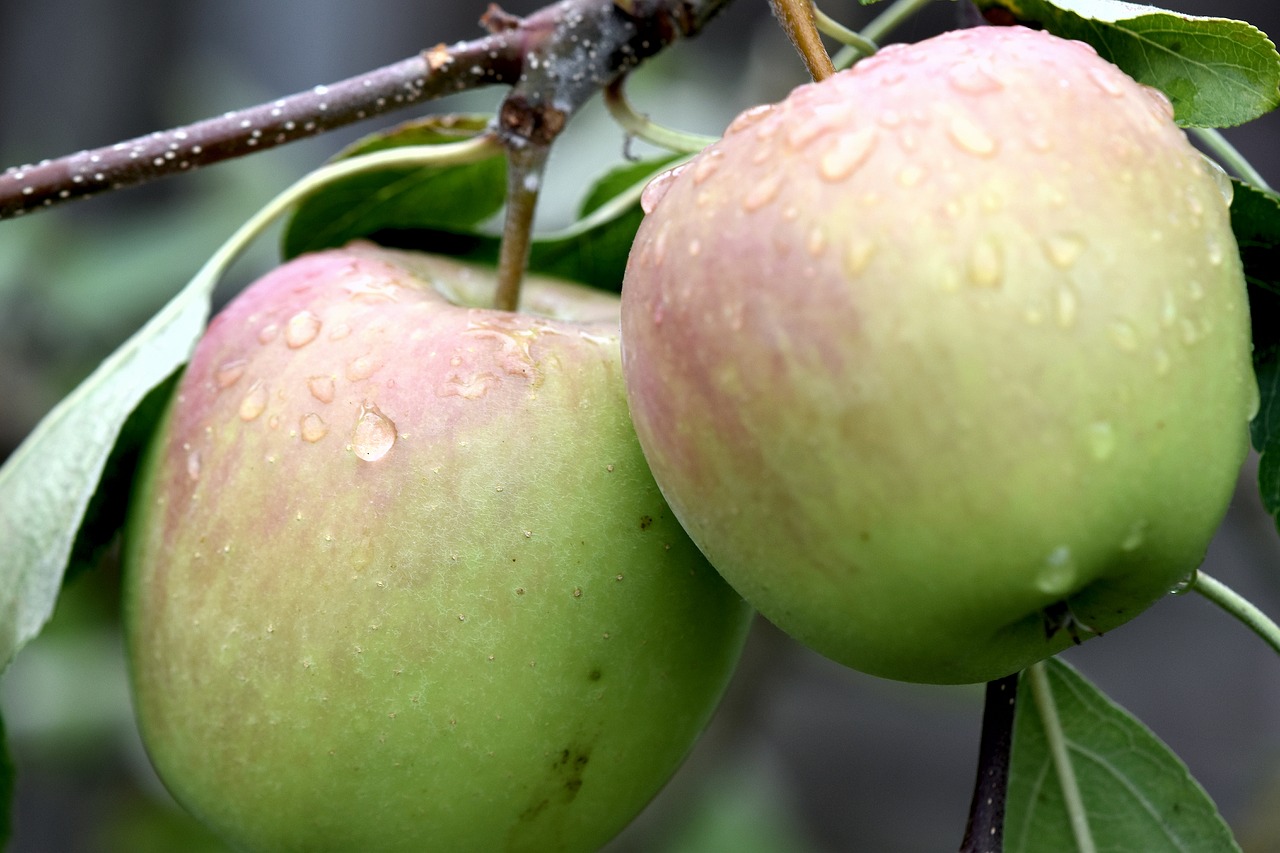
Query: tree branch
[984, 832]
[554, 59]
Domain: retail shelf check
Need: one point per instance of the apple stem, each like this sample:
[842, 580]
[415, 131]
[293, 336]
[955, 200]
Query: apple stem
[984, 832]
[797, 20]
[1239, 607]
[524, 180]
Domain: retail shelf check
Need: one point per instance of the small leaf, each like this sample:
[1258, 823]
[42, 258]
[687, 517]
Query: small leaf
[1218, 72]
[1136, 794]
[443, 198]
[1255, 218]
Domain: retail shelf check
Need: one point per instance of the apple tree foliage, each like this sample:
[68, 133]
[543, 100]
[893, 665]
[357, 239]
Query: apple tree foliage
[1082, 774]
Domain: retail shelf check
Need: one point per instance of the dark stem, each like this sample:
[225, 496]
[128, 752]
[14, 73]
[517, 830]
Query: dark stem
[554, 58]
[984, 833]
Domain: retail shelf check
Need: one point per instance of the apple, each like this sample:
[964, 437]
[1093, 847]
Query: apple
[398, 577]
[944, 362]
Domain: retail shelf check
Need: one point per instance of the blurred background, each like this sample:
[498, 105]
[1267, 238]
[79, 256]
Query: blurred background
[804, 754]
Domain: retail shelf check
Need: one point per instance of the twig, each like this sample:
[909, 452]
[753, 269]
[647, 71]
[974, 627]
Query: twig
[554, 59]
[984, 833]
[797, 20]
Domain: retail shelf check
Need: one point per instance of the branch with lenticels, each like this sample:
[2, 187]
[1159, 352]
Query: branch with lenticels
[553, 60]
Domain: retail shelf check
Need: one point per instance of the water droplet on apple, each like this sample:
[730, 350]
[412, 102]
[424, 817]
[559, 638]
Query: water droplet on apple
[1220, 179]
[1067, 307]
[268, 333]
[750, 117]
[1159, 100]
[973, 78]
[858, 255]
[847, 152]
[1107, 80]
[1124, 335]
[1063, 250]
[301, 329]
[1135, 537]
[986, 264]
[364, 366]
[816, 242]
[969, 137]
[1102, 439]
[374, 434]
[229, 373]
[1190, 332]
[657, 188]
[762, 193]
[193, 464]
[705, 166]
[1058, 574]
[1185, 585]
[322, 388]
[911, 176]
[1216, 253]
[313, 428]
[1163, 362]
[254, 402]
[339, 332]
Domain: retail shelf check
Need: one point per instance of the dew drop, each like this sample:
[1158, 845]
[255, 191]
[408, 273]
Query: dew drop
[1190, 332]
[1216, 253]
[846, 154]
[1135, 537]
[1168, 310]
[705, 166]
[362, 367]
[1195, 290]
[816, 243]
[1159, 100]
[1058, 574]
[254, 402]
[339, 332]
[193, 464]
[1106, 80]
[986, 264]
[747, 118]
[1063, 250]
[301, 329]
[1220, 179]
[969, 137]
[857, 255]
[1163, 362]
[268, 333]
[322, 388]
[229, 373]
[911, 176]
[1067, 307]
[374, 434]
[1185, 585]
[973, 78]
[1102, 439]
[1124, 336]
[762, 193]
[313, 428]
[657, 189]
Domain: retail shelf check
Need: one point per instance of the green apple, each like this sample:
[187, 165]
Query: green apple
[944, 362]
[398, 577]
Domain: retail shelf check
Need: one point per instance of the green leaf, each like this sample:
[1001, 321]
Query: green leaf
[1135, 793]
[1218, 72]
[593, 250]
[48, 482]
[454, 198]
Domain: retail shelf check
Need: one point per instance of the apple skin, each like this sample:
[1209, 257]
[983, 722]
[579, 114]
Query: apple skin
[943, 351]
[398, 577]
